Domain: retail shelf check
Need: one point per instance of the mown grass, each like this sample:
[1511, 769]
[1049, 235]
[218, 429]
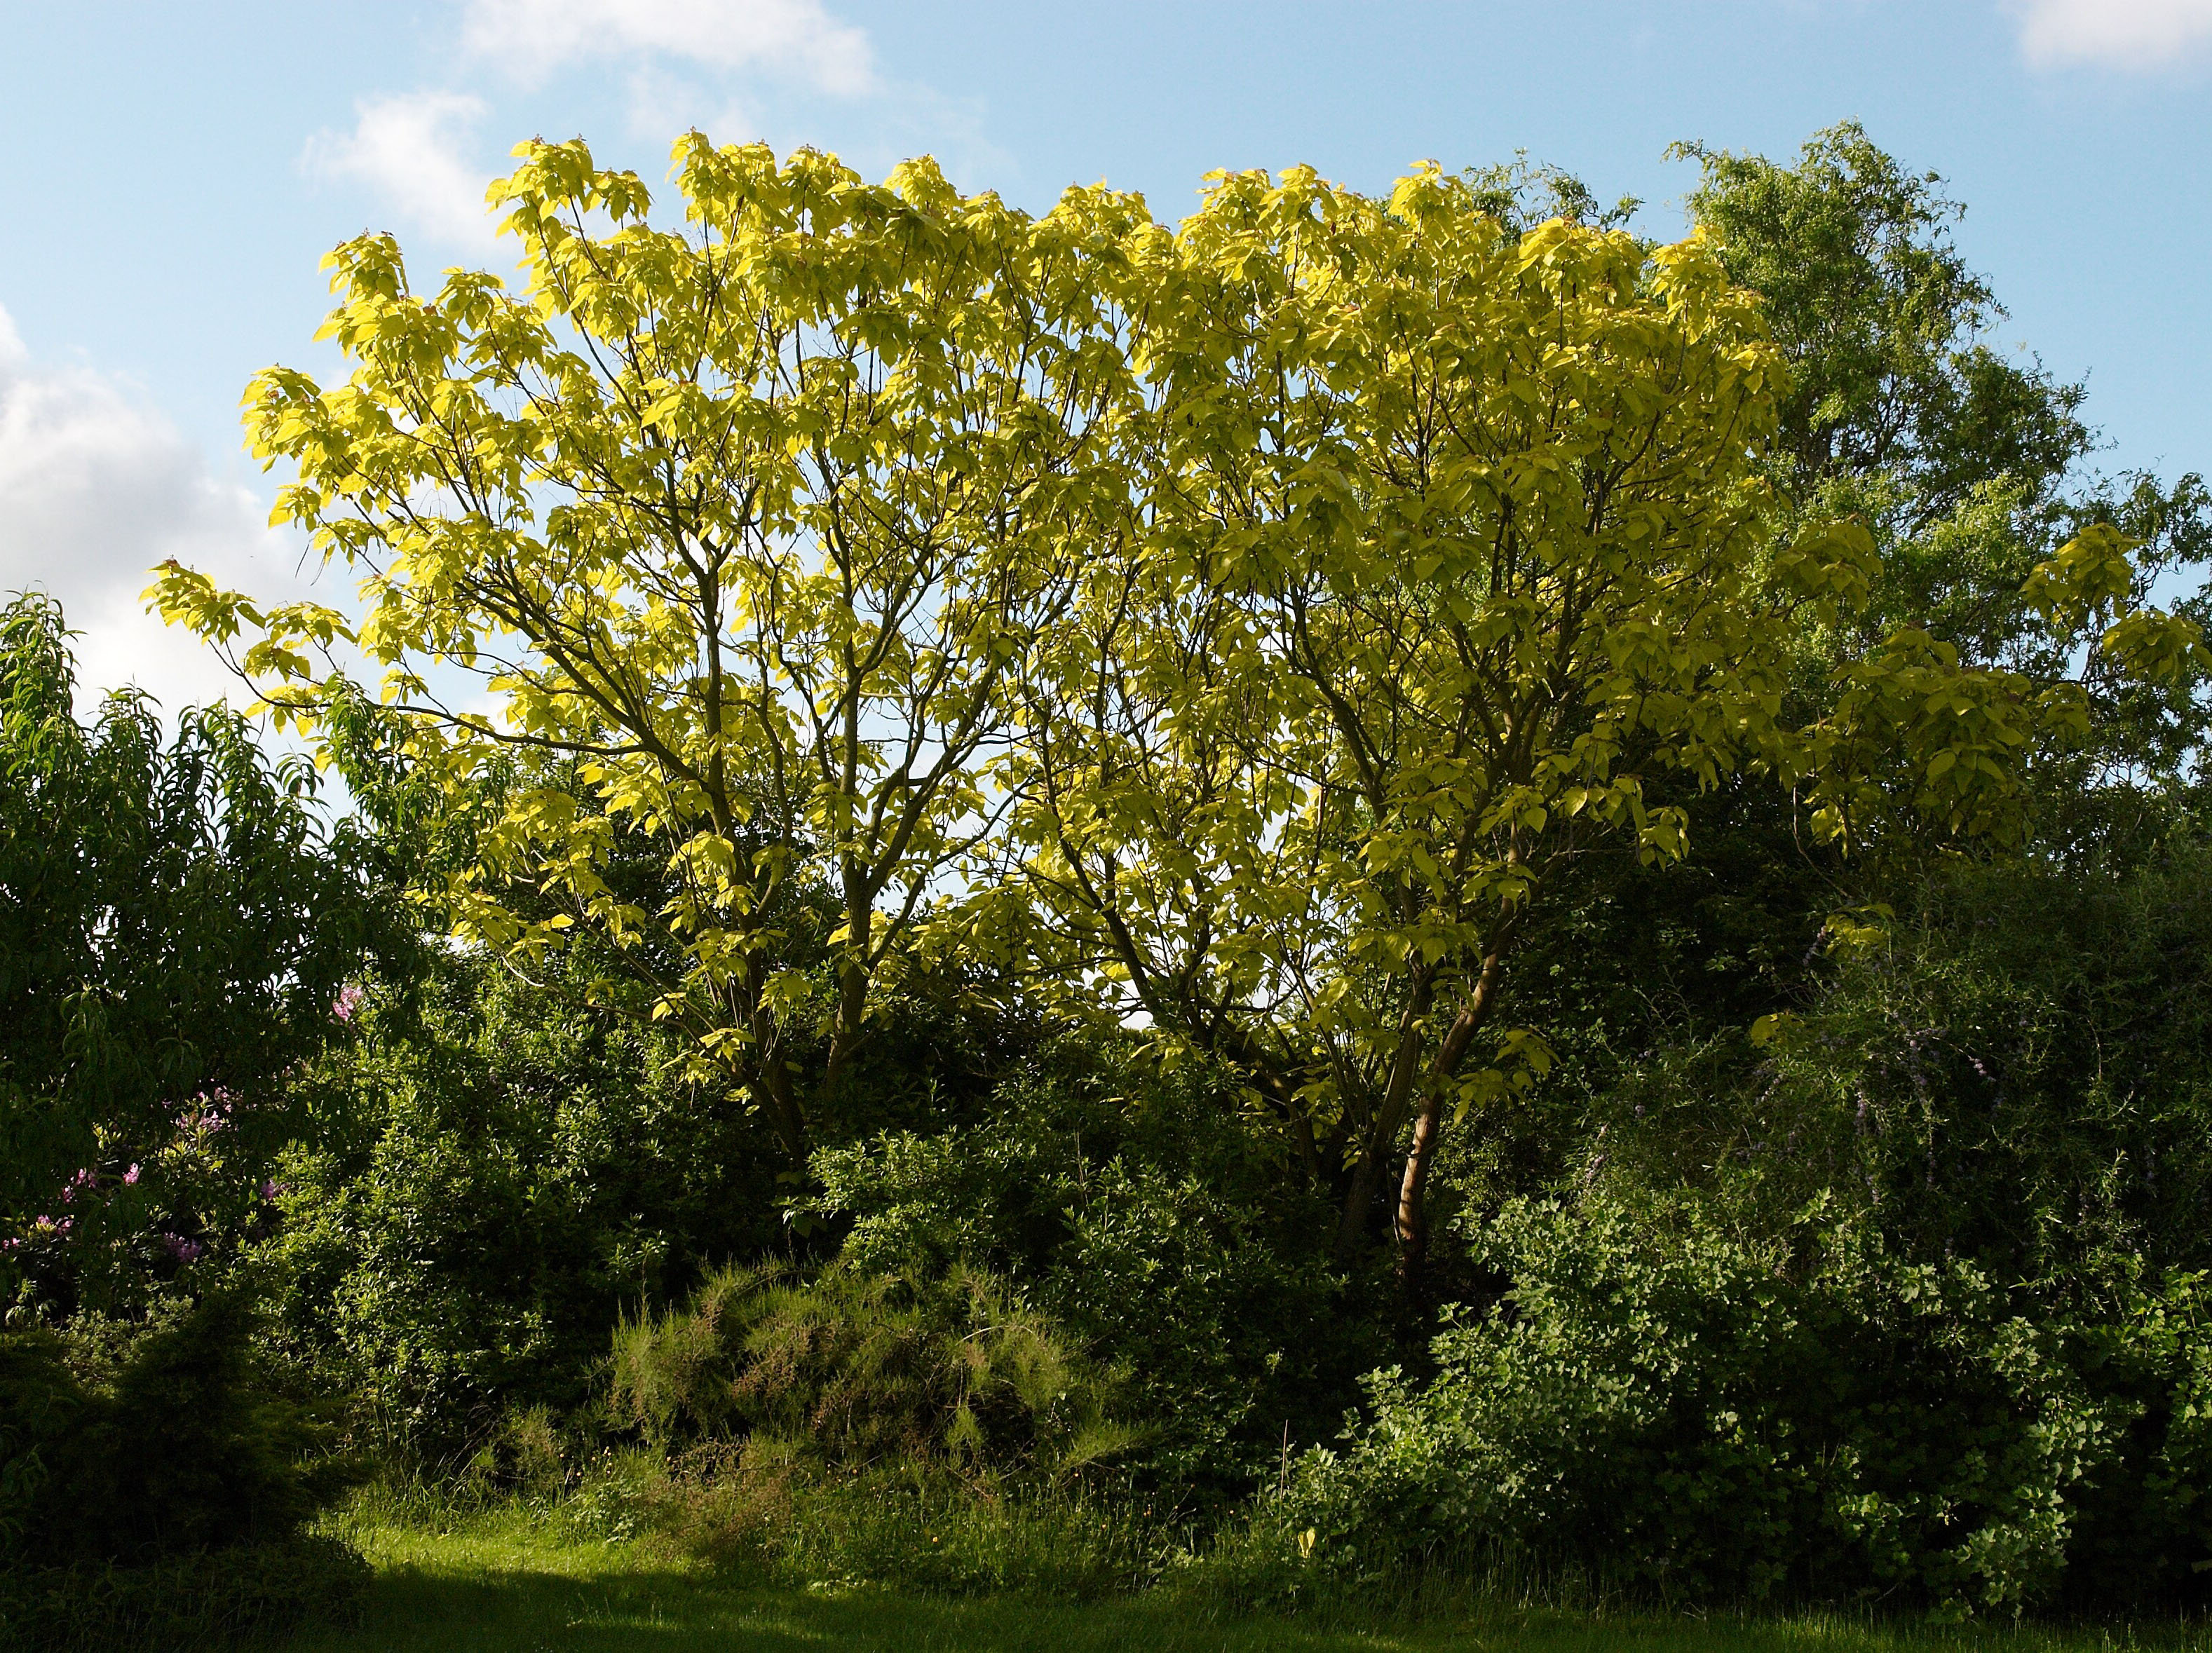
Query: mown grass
[502, 1582]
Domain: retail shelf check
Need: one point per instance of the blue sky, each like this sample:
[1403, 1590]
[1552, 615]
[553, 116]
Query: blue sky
[170, 175]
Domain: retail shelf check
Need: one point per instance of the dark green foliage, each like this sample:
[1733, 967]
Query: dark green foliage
[857, 1371]
[2022, 1076]
[499, 1168]
[1155, 1223]
[1966, 464]
[202, 1603]
[1885, 328]
[175, 930]
[172, 1445]
[1662, 1401]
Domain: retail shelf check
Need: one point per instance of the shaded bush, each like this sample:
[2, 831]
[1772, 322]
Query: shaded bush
[1715, 1417]
[154, 1492]
[1148, 1216]
[2021, 1075]
[173, 1445]
[212, 1600]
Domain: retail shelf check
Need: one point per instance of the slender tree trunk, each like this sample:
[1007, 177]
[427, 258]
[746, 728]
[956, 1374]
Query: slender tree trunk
[846, 1033]
[769, 1079]
[846, 1028]
[1383, 1130]
[1359, 1200]
[1413, 1221]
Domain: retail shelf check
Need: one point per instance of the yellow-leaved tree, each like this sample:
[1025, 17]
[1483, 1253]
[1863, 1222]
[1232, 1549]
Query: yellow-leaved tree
[1444, 539]
[753, 520]
[1233, 631]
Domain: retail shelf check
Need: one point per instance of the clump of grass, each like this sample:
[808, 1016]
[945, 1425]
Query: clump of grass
[764, 1510]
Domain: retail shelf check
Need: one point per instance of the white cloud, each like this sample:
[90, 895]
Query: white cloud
[532, 38]
[662, 105]
[96, 489]
[410, 150]
[2125, 34]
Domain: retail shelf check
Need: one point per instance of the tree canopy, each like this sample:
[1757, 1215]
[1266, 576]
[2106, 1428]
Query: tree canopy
[1233, 628]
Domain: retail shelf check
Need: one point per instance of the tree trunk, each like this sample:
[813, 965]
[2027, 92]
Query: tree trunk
[1383, 1130]
[783, 1110]
[1413, 1221]
[764, 1072]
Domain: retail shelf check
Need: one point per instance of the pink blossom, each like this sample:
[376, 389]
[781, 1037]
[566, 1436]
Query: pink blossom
[210, 1114]
[348, 1001]
[130, 1176]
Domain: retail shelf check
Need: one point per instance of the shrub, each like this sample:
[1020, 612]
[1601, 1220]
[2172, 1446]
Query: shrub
[854, 1371]
[177, 926]
[498, 1168]
[1145, 1217]
[154, 1492]
[173, 1445]
[1713, 1416]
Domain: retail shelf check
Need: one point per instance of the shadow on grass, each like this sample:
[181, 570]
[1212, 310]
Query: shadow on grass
[442, 1610]
[435, 1594]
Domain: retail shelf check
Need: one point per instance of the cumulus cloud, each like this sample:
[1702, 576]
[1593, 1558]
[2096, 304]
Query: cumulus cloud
[532, 38]
[96, 488]
[2123, 34]
[410, 150]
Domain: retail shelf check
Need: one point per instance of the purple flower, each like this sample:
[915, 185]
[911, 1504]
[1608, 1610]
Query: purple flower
[210, 1115]
[182, 1249]
[130, 1175]
[348, 1001]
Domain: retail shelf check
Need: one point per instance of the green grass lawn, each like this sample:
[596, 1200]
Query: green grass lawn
[501, 1587]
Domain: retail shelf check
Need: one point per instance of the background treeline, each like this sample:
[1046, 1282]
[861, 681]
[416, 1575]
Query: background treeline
[1822, 1218]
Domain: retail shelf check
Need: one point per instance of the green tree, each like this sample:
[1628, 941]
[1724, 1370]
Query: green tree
[1966, 462]
[1448, 543]
[176, 929]
[1894, 385]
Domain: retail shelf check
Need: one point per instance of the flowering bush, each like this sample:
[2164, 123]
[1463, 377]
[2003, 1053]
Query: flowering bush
[179, 924]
